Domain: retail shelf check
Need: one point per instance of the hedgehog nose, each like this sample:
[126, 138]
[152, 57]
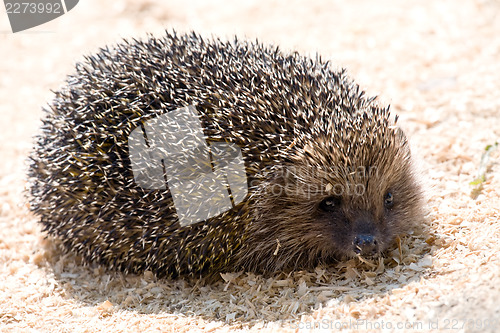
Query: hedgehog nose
[365, 245]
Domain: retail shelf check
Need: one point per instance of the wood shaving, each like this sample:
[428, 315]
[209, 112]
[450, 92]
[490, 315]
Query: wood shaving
[436, 62]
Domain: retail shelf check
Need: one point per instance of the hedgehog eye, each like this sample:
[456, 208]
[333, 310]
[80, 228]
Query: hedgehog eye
[389, 200]
[329, 204]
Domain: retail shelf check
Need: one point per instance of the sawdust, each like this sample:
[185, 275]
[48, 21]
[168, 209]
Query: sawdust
[438, 65]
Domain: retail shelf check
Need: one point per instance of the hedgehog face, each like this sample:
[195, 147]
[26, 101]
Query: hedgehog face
[321, 206]
[366, 222]
[361, 206]
[351, 217]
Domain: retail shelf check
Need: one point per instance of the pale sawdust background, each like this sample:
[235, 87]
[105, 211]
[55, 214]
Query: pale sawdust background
[436, 62]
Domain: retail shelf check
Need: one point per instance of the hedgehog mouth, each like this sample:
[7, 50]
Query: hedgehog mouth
[346, 256]
[368, 257]
[357, 252]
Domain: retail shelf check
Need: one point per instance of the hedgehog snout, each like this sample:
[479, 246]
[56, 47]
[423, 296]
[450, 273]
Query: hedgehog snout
[365, 241]
[365, 245]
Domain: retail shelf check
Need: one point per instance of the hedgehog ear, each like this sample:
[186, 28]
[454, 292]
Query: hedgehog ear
[403, 140]
[401, 134]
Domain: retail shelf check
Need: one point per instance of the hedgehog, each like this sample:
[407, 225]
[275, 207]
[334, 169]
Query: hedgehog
[314, 170]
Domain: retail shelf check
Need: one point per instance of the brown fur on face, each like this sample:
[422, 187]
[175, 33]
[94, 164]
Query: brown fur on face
[291, 228]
